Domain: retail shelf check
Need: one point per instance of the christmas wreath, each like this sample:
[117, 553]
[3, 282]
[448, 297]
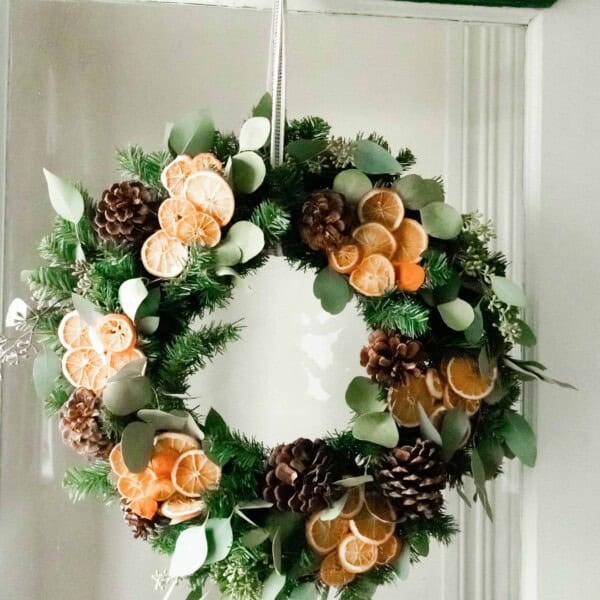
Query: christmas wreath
[111, 325]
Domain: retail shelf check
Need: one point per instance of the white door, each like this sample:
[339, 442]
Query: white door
[517, 146]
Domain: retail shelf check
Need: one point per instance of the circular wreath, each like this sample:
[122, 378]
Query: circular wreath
[110, 320]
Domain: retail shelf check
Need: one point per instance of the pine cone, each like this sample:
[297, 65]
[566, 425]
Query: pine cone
[140, 527]
[391, 357]
[413, 478]
[301, 476]
[127, 213]
[326, 221]
[79, 425]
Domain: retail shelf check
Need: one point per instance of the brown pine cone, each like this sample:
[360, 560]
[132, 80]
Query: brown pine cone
[79, 424]
[127, 213]
[140, 527]
[391, 357]
[413, 478]
[300, 476]
[326, 221]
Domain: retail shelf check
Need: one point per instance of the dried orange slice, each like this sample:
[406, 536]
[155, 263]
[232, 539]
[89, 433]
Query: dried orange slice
[354, 502]
[116, 333]
[435, 385]
[179, 508]
[389, 550]
[411, 240]
[163, 461]
[211, 194]
[376, 522]
[324, 536]
[403, 400]
[410, 277]
[374, 276]
[178, 218]
[73, 331]
[208, 231]
[207, 161]
[345, 258]
[332, 573]
[453, 400]
[381, 205]
[85, 367]
[175, 173]
[115, 458]
[117, 360]
[144, 507]
[356, 555]
[194, 473]
[374, 238]
[135, 485]
[163, 256]
[161, 489]
[465, 378]
[180, 442]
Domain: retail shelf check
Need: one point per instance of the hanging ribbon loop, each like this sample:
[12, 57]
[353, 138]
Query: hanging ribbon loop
[277, 84]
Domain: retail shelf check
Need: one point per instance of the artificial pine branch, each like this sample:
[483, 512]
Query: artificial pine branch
[224, 145]
[58, 396]
[406, 158]
[364, 586]
[136, 164]
[83, 482]
[437, 267]
[51, 285]
[272, 219]
[347, 446]
[395, 312]
[441, 527]
[307, 128]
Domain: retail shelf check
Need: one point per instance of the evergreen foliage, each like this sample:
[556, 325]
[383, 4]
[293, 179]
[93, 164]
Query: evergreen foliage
[396, 312]
[137, 164]
[92, 481]
[272, 219]
[58, 396]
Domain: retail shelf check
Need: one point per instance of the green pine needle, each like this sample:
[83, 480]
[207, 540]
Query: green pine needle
[307, 128]
[272, 219]
[51, 285]
[58, 396]
[396, 312]
[364, 586]
[92, 481]
[438, 267]
[135, 163]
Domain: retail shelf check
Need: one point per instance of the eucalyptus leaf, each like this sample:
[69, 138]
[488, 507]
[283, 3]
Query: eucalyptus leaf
[255, 537]
[257, 504]
[273, 585]
[364, 395]
[47, 367]
[17, 312]
[456, 429]
[125, 396]
[350, 482]
[264, 108]
[491, 454]
[496, 394]
[134, 368]
[243, 515]
[333, 290]
[529, 370]
[192, 428]
[428, 429]
[65, 198]
[402, 564]
[137, 444]
[195, 133]
[248, 172]
[148, 325]
[88, 311]
[526, 335]
[219, 537]
[373, 159]
[378, 428]
[474, 332]
[441, 221]
[420, 544]
[334, 511]
[519, 437]
[305, 150]
[131, 295]
[478, 472]
[195, 594]
[508, 292]
[417, 192]
[149, 306]
[191, 549]
[228, 254]
[457, 314]
[276, 550]
[248, 237]
[162, 420]
[79, 253]
[485, 363]
[305, 591]
[254, 133]
[449, 291]
[352, 184]
[463, 496]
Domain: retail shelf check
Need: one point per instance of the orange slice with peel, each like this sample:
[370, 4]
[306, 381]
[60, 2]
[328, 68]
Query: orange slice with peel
[85, 367]
[135, 485]
[389, 550]
[324, 536]
[180, 442]
[163, 461]
[345, 258]
[180, 508]
[381, 205]
[117, 360]
[194, 473]
[211, 194]
[376, 521]
[207, 161]
[161, 489]
[404, 398]
[374, 276]
[115, 458]
[145, 507]
[163, 256]
[175, 173]
[410, 277]
[208, 231]
[411, 241]
[116, 333]
[178, 218]
[435, 385]
[453, 400]
[332, 573]
[354, 502]
[73, 331]
[356, 555]
[374, 238]
[466, 380]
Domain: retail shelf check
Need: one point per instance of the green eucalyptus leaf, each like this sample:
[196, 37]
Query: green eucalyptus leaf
[402, 564]
[350, 482]
[496, 394]
[352, 184]
[373, 159]
[376, 427]
[79, 253]
[219, 537]
[449, 291]
[248, 172]
[273, 585]
[254, 133]
[192, 428]
[491, 454]
[485, 363]
[463, 496]
[333, 290]
[420, 544]
[457, 314]
[456, 429]
[333, 512]
[137, 444]
[131, 295]
[65, 198]
[195, 594]
[88, 311]
[125, 396]
[162, 420]
[47, 367]
[150, 304]
[134, 368]
[508, 292]
[474, 332]
[276, 550]
[305, 150]
[428, 429]
[417, 192]
[257, 504]
[519, 437]
[364, 395]
[228, 254]
[441, 221]
[255, 537]
[264, 108]
[195, 133]
[526, 335]
[191, 549]
[478, 472]
[148, 325]
[248, 237]
[305, 591]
